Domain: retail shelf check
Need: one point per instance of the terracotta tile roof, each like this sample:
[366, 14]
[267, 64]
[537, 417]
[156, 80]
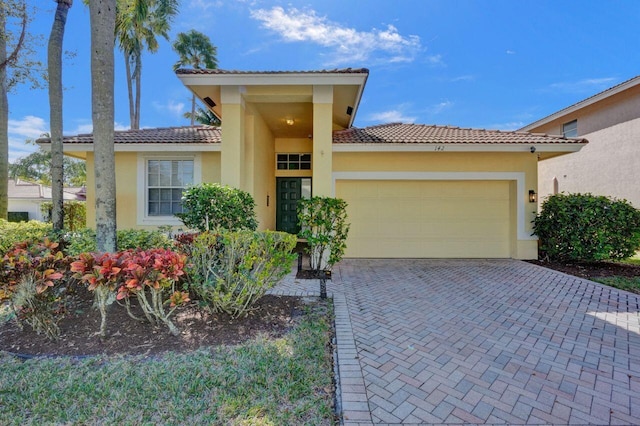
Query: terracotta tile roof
[421, 133]
[231, 72]
[196, 134]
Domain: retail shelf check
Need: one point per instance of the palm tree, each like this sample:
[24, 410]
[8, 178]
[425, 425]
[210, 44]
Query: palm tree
[54, 64]
[203, 116]
[102, 15]
[195, 49]
[6, 9]
[138, 23]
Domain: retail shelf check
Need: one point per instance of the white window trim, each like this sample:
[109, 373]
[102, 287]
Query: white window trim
[142, 218]
[519, 177]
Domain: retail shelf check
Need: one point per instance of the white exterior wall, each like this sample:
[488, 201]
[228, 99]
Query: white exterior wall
[31, 206]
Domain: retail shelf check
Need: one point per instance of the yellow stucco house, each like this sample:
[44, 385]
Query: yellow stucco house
[413, 190]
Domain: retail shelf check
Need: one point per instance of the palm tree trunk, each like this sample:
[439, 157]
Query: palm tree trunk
[193, 109]
[127, 67]
[54, 63]
[4, 120]
[138, 88]
[102, 16]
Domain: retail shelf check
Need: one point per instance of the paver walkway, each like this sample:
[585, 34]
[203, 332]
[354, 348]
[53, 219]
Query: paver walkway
[481, 341]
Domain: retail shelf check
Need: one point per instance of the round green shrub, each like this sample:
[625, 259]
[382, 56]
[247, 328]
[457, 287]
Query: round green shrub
[210, 206]
[587, 228]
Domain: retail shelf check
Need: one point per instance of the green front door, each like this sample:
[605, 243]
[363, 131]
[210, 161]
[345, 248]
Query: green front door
[289, 191]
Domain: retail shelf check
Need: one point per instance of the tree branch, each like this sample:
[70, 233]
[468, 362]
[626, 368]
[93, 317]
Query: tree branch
[14, 54]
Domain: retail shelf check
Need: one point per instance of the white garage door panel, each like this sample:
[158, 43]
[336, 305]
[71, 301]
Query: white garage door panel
[427, 218]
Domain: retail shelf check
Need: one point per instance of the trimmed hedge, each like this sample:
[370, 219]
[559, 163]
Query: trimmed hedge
[17, 232]
[587, 228]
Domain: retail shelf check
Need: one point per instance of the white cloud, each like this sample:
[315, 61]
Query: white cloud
[510, 52]
[440, 106]
[467, 77]
[584, 85]
[18, 148]
[204, 5]
[172, 107]
[435, 61]
[391, 116]
[508, 126]
[348, 44]
[29, 127]
[86, 127]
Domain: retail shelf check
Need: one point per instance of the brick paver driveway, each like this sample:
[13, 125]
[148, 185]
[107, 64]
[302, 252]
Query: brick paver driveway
[484, 341]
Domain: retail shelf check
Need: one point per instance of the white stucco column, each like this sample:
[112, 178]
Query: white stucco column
[232, 147]
[322, 140]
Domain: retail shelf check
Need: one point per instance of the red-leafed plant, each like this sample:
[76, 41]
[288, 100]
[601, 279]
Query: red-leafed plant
[102, 273]
[151, 276]
[31, 279]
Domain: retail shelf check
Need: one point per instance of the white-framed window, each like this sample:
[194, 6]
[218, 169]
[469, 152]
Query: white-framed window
[570, 129]
[293, 161]
[166, 179]
[161, 179]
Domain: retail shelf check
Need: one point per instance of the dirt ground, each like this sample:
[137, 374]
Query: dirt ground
[199, 328]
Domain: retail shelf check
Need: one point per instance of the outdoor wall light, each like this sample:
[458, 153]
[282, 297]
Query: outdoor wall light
[533, 197]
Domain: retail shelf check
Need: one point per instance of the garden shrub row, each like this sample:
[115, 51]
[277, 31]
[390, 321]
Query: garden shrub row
[36, 276]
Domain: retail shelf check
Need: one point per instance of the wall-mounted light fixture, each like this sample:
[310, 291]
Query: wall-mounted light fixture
[533, 197]
[209, 101]
[349, 110]
[289, 121]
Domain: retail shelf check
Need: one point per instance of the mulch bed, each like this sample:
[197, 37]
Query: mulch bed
[592, 270]
[272, 315]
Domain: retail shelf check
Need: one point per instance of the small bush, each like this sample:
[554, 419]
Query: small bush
[231, 271]
[151, 277]
[84, 240]
[75, 214]
[12, 233]
[587, 228]
[30, 279]
[324, 225]
[211, 206]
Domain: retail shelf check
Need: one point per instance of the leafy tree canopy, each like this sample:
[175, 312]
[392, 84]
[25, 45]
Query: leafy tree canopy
[36, 167]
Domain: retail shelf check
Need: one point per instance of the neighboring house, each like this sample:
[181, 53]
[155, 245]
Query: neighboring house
[26, 198]
[413, 190]
[609, 165]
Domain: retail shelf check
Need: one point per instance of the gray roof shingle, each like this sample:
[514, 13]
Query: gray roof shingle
[425, 134]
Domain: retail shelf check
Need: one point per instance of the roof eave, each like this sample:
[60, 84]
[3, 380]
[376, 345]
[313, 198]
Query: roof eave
[583, 104]
[534, 148]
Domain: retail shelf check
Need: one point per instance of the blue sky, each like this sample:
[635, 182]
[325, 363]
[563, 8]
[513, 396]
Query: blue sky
[497, 64]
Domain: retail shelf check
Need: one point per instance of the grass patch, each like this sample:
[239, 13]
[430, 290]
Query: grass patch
[262, 382]
[631, 284]
[631, 261]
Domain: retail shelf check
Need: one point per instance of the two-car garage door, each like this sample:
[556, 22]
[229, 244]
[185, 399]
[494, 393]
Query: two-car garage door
[430, 218]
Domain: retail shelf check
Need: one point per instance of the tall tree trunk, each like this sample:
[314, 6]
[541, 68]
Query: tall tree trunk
[127, 67]
[138, 89]
[102, 16]
[4, 119]
[54, 64]
[193, 110]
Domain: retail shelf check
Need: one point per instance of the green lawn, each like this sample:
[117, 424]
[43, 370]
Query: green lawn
[631, 284]
[285, 381]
